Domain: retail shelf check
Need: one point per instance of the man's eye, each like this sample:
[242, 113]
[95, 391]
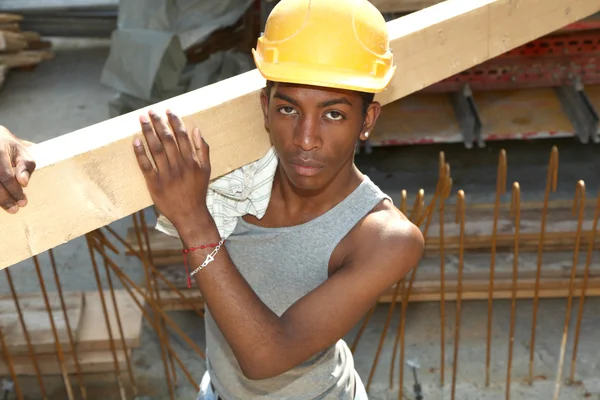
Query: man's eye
[335, 115]
[286, 110]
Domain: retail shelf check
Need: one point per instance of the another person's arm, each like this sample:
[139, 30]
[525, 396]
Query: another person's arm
[16, 168]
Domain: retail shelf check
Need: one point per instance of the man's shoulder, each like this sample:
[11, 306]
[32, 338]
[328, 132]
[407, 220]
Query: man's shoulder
[387, 225]
[384, 235]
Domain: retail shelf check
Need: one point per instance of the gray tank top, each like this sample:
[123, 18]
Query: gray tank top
[282, 265]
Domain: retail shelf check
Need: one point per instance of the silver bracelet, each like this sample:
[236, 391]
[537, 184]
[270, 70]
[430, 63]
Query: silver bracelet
[209, 258]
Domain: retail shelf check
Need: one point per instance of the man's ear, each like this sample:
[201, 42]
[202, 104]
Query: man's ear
[264, 102]
[371, 116]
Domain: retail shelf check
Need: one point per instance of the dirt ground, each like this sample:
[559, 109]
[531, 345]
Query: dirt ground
[64, 94]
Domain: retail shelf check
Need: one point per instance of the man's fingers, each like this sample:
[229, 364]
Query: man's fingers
[166, 137]
[14, 191]
[183, 139]
[143, 161]
[25, 165]
[154, 144]
[7, 202]
[202, 150]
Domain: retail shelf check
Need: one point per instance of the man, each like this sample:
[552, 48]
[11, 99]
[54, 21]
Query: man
[283, 290]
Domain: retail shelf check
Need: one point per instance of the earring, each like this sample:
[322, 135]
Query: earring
[367, 134]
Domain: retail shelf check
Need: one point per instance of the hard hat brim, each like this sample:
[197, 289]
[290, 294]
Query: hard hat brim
[322, 76]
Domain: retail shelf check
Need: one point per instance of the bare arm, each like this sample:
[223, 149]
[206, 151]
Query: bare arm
[264, 344]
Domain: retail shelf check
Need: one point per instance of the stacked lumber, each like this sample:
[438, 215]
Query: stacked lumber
[18, 48]
[88, 331]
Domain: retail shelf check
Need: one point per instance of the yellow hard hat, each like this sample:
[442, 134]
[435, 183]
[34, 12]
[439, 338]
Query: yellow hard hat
[331, 43]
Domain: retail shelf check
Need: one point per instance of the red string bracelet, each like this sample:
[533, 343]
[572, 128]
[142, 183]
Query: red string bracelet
[185, 251]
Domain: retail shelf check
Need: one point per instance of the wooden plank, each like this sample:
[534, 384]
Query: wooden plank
[419, 118]
[93, 335]
[25, 58]
[10, 18]
[38, 322]
[510, 114]
[10, 27]
[97, 167]
[89, 362]
[11, 41]
[422, 293]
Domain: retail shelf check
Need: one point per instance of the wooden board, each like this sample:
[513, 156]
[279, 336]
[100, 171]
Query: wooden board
[25, 58]
[417, 119]
[555, 275]
[93, 335]
[38, 322]
[7, 18]
[10, 41]
[89, 362]
[101, 179]
[511, 114]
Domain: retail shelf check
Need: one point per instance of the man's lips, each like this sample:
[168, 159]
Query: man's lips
[306, 167]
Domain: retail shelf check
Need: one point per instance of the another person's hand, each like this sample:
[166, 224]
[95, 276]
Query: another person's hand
[179, 183]
[16, 167]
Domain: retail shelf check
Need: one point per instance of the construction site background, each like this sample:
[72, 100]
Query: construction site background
[63, 85]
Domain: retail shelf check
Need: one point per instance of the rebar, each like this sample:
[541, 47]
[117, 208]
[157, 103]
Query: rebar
[582, 297]
[59, 353]
[67, 325]
[159, 333]
[551, 182]
[111, 340]
[460, 219]
[515, 212]
[32, 352]
[500, 190]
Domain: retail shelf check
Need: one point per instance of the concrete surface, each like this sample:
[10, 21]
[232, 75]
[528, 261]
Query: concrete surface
[65, 94]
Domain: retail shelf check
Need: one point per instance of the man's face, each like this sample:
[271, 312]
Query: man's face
[314, 130]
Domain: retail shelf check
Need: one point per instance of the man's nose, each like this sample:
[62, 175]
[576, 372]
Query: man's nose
[307, 135]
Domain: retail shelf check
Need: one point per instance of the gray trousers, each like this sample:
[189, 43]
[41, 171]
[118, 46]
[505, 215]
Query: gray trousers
[207, 392]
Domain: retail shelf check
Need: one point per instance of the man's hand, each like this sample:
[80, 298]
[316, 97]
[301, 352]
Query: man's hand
[16, 168]
[179, 183]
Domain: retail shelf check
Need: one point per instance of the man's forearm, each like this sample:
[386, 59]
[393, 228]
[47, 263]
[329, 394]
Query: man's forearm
[249, 326]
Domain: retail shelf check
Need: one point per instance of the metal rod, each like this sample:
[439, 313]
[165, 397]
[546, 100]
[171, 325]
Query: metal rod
[11, 368]
[445, 195]
[68, 325]
[578, 205]
[384, 333]
[159, 331]
[120, 327]
[111, 339]
[151, 320]
[159, 275]
[551, 182]
[516, 213]
[500, 190]
[149, 299]
[397, 339]
[460, 218]
[155, 285]
[586, 273]
[32, 353]
[59, 353]
[400, 333]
